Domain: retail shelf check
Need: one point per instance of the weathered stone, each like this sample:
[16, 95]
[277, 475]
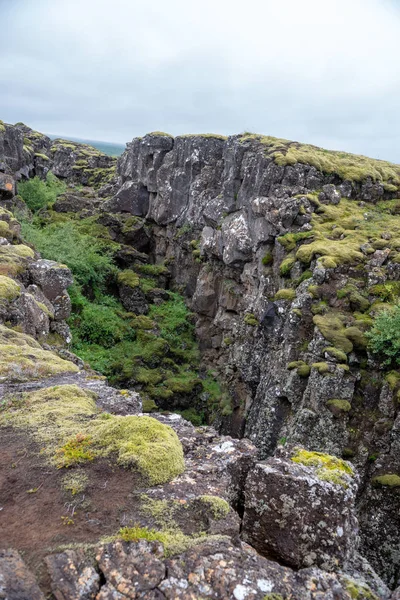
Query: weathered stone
[16, 580]
[52, 277]
[7, 186]
[72, 576]
[298, 514]
[133, 299]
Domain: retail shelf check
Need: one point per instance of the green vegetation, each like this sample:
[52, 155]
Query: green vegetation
[218, 507]
[328, 468]
[22, 358]
[157, 351]
[384, 336]
[9, 289]
[285, 294]
[267, 259]
[40, 194]
[339, 405]
[358, 591]
[303, 370]
[66, 421]
[251, 320]
[286, 266]
[75, 482]
[388, 480]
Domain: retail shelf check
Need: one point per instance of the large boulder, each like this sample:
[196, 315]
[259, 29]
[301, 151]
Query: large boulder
[299, 509]
[51, 276]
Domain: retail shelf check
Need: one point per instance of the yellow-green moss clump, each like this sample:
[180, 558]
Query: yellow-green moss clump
[358, 591]
[66, 421]
[13, 259]
[388, 480]
[251, 320]
[23, 358]
[328, 468]
[129, 278]
[9, 289]
[302, 368]
[339, 405]
[332, 328]
[218, 507]
[75, 482]
[285, 294]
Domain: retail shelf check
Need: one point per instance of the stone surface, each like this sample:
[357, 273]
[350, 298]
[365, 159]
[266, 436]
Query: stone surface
[52, 277]
[295, 516]
[16, 580]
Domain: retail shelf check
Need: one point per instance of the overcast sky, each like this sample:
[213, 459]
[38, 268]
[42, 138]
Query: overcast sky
[320, 71]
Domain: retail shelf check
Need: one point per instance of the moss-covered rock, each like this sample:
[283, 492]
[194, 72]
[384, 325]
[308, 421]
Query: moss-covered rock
[285, 294]
[328, 468]
[9, 289]
[65, 419]
[23, 358]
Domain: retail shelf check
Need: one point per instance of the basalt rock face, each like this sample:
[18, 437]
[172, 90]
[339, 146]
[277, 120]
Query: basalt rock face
[25, 153]
[281, 317]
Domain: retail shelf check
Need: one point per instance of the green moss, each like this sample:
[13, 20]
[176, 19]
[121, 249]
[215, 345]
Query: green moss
[357, 337]
[393, 379]
[273, 596]
[42, 156]
[339, 405]
[160, 133]
[153, 270]
[336, 354]
[2, 127]
[331, 327]
[149, 405]
[183, 383]
[387, 480]
[315, 291]
[290, 240]
[303, 370]
[9, 289]
[286, 266]
[75, 482]
[13, 259]
[328, 468]
[267, 259]
[65, 419]
[142, 322]
[218, 507]
[129, 278]
[23, 358]
[285, 294]
[358, 591]
[251, 320]
[322, 367]
[148, 376]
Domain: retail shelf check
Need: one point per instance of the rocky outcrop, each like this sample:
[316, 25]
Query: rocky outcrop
[302, 515]
[240, 222]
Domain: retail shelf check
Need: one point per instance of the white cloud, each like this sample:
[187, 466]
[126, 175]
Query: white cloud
[320, 72]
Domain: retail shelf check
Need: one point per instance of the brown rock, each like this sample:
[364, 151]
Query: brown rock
[16, 580]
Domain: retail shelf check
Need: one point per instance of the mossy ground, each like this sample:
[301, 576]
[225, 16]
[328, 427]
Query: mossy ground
[22, 358]
[65, 419]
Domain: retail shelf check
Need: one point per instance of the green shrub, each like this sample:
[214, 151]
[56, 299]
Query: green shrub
[384, 336]
[100, 325]
[86, 256]
[38, 193]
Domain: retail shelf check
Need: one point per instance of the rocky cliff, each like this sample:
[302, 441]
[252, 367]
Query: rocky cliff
[286, 254]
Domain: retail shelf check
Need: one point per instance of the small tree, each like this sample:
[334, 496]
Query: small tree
[384, 336]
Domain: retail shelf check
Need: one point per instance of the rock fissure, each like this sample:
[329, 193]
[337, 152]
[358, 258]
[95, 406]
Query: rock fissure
[287, 256]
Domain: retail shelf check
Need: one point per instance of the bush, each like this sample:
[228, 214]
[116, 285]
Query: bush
[88, 258]
[384, 337]
[38, 193]
[100, 325]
